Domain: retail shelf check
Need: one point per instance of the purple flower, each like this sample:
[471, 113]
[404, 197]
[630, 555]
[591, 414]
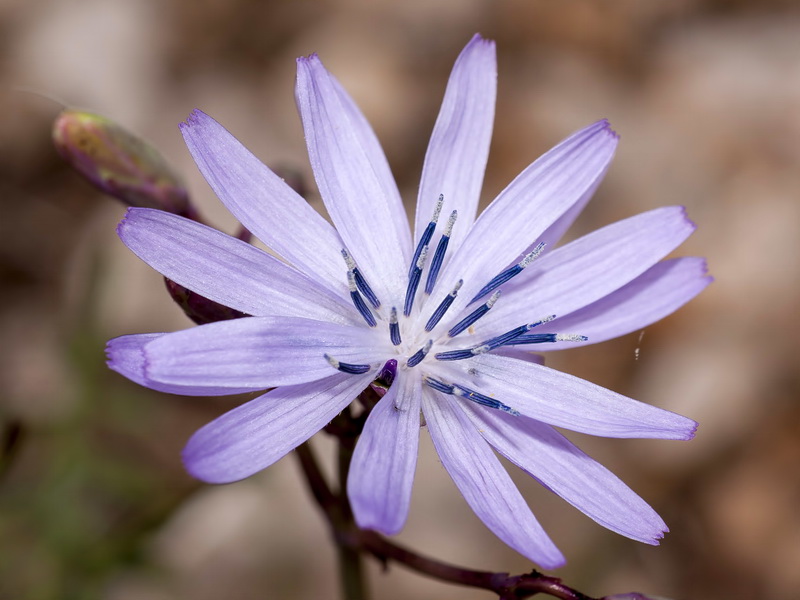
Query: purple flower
[347, 302]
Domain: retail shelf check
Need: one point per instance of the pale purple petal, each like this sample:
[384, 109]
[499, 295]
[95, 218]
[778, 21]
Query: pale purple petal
[259, 352]
[483, 481]
[254, 435]
[365, 134]
[587, 269]
[350, 185]
[520, 353]
[553, 234]
[382, 470]
[126, 356]
[459, 146]
[524, 210]
[560, 466]
[227, 270]
[264, 203]
[658, 292]
[566, 401]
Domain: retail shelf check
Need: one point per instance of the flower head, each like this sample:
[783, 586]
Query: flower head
[448, 315]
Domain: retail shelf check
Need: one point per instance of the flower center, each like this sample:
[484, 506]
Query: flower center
[363, 297]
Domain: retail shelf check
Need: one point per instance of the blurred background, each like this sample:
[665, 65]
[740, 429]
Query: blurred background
[94, 502]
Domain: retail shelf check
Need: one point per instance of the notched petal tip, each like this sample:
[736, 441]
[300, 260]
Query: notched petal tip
[194, 119]
[685, 215]
[125, 355]
[135, 217]
[312, 58]
[479, 39]
[110, 352]
[655, 540]
[692, 431]
[124, 223]
[605, 126]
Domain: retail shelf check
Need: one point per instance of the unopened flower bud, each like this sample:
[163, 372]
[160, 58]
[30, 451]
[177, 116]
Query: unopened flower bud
[119, 163]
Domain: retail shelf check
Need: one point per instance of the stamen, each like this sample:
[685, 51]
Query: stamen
[507, 337]
[438, 385]
[509, 273]
[350, 368]
[540, 338]
[413, 281]
[456, 354]
[394, 327]
[462, 392]
[438, 256]
[427, 234]
[474, 315]
[482, 399]
[361, 283]
[439, 312]
[492, 343]
[358, 301]
[502, 339]
[419, 354]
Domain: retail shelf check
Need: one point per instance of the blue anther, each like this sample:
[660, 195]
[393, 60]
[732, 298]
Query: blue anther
[420, 354]
[438, 255]
[455, 354]
[427, 234]
[541, 338]
[413, 281]
[474, 315]
[439, 385]
[350, 368]
[364, 288]
[509, 273]
[394, 327]
[472, 395]
[442, 308]
[358, 301]
[506, 338]
[360, 281]
[482, 399]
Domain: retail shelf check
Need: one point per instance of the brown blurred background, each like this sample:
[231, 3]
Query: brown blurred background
[94, 502]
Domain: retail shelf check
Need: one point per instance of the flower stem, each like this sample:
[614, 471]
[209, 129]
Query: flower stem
[352, 542]
[337, 508]
[351, 565]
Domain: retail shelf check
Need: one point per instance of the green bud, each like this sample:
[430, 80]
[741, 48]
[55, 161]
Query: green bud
[119, 163]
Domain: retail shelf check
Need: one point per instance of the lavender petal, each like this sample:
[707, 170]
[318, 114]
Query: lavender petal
[459, 147]
[483, 481]
[522, 212]
[348, 182]
[251, 437]
[264, 203]
[258, 352]
[563, 468]
[227, 270]
[382, 470]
